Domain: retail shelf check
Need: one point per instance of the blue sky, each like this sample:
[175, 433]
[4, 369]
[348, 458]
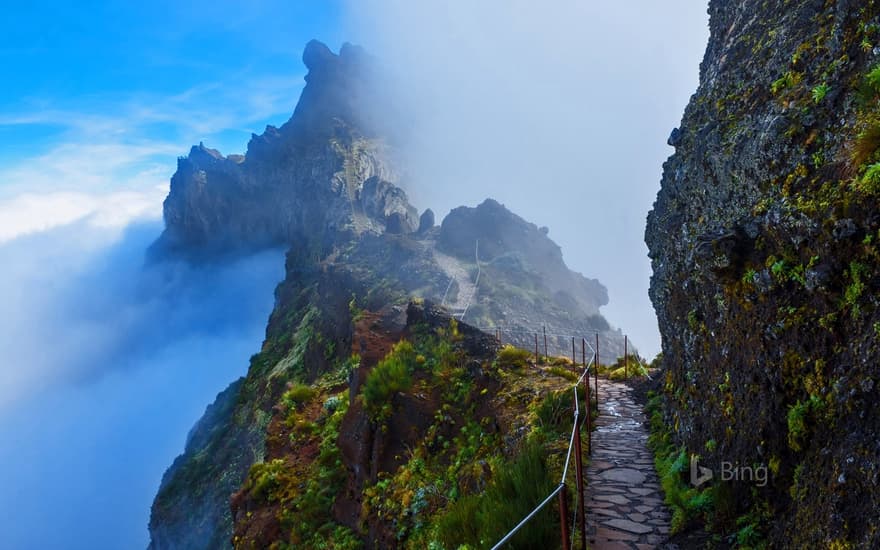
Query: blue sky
[102, 96]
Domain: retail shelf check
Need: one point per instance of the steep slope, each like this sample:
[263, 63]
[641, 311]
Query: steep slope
[763, 242]
[326, 185]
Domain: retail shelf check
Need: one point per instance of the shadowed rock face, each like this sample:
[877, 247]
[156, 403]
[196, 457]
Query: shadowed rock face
[762, 241]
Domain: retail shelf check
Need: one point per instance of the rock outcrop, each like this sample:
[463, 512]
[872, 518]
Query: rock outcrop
[305, 182]
[763, 243]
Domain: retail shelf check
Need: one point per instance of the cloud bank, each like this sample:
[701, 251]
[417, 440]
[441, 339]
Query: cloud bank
[559, 110]
[105, 365]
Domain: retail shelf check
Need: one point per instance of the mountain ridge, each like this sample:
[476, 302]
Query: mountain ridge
[327, 185]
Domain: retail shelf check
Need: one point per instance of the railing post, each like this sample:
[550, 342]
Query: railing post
[579, 470]
[625, 373]
[596, 372]
[589, 403]
[544, 329]
[537, 359]
[563, 518]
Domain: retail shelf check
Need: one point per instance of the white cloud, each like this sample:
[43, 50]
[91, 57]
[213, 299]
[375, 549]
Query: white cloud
[111, 164]
[32, 213]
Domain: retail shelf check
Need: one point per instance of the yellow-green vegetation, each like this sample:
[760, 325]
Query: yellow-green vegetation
[616, 371]
[305, 492]
[479, 520]
[298, 394]
[570, 375]
[801, 416]
[393, 374]
[688, 504]
[461, 486]
[513, 356]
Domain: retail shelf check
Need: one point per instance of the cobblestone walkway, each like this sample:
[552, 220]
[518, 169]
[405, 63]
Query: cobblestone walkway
[624, 501]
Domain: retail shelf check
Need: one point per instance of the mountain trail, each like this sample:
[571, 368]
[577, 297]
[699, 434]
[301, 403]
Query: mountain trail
[624, 501]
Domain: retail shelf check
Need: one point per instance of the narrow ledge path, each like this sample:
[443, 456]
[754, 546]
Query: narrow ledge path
[624, 500]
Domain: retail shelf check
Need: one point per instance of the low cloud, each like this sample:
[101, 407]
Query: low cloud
[105, 364]
[559, 110]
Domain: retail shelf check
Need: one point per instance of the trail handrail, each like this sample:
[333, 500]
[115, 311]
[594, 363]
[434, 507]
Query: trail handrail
[571, 444]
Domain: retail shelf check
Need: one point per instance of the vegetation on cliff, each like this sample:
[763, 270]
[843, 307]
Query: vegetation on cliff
[464, 438]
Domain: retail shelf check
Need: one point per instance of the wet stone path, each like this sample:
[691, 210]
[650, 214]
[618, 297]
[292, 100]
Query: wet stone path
[624, 501]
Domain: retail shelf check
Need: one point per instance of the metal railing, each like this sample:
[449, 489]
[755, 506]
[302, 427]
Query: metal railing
[574, 449]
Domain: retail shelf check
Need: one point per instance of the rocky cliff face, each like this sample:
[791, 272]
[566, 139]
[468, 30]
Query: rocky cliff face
[323, 176]
[763, 242]
[326, 185]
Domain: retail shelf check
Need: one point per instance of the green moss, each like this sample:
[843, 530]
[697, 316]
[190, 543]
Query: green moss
[800, 417]
[870, 180]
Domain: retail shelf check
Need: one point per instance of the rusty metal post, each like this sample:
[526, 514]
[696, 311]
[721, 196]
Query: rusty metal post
[589, 404]
[596, 372]
[537, 359]
[579, 471]
[625, 373]
[573, 358]
[563, 518]
[544, 329]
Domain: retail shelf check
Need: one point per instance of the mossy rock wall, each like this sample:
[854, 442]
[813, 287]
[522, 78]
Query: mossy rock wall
[763, 243]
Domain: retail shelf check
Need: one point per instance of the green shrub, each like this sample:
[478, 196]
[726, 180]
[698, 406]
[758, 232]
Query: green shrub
[555, 411]
[298, 394]
[870, 181]
[635, 369]
[265, 478]
[511, 355]
[571, 376]
[393, 374]
[872, 79]
[480, 520]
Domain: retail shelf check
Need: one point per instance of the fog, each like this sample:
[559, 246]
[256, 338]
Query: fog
[104, 367]
[560, 110]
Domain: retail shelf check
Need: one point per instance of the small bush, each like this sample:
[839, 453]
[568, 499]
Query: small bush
[872, 79]
[564, 373]
[555, 410]
[514, 356]
[393, 374]
[298, 394]
[634, 369]
[265, 479]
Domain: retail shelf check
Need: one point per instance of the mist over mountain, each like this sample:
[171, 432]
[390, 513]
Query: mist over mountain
[330, 184]
[108, 362]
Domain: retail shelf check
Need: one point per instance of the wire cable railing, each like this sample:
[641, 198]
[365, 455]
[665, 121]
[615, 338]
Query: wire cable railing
[574, 449]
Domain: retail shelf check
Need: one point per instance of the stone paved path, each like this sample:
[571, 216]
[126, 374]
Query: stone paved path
[624, 501]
